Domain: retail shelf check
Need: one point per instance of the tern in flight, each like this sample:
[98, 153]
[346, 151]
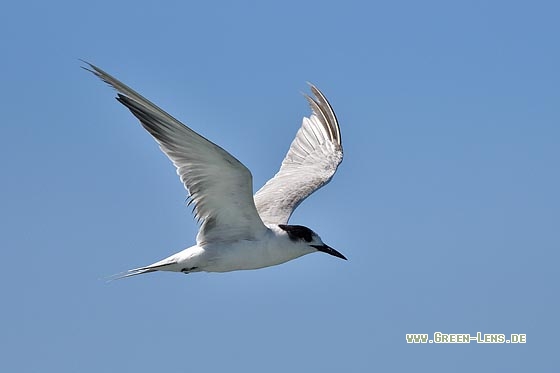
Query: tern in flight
[239, 231]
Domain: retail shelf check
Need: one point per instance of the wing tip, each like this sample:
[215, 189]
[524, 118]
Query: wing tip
[325, 111]
[92, 68]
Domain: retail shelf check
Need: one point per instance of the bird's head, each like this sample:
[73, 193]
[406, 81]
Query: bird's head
[305, 236]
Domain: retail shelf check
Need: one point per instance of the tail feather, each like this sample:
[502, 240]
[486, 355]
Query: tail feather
[141, 270]
[130, 273]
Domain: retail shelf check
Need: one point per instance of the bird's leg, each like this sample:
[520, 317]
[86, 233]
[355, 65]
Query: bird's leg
[188, 270]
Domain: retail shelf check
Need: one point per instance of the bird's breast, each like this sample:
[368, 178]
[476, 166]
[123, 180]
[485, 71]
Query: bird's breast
[247, 254]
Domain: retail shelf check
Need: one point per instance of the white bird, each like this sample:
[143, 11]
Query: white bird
[239, 231]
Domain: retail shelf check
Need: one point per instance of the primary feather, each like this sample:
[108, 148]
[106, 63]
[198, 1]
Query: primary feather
[310, 163]
[220, 187]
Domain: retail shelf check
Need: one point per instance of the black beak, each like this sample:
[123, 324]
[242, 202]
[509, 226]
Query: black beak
[329, 250]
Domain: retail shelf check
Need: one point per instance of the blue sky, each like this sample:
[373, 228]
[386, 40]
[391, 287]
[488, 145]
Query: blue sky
[446, 204]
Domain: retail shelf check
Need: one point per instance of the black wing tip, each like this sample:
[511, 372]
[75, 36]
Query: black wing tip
[91, 68]
[123, 99]
[130, 104]
[321, 104]
[85, 62]
[101, 74]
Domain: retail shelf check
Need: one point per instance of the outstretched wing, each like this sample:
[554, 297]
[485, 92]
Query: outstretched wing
[310, 163]
[220, 187]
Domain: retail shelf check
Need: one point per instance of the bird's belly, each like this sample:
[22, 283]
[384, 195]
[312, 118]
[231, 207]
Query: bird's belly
[244, 255]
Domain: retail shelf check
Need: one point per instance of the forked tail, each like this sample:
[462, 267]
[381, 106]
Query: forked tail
[139, 271]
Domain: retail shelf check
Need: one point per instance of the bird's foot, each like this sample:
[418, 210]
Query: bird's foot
[188, 270]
